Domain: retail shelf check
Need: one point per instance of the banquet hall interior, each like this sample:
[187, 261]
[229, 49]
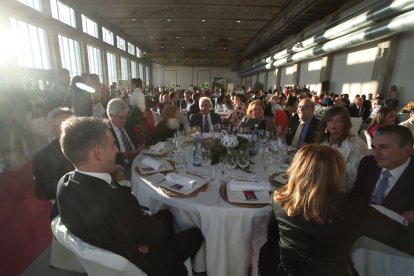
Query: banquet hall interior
[269, 50]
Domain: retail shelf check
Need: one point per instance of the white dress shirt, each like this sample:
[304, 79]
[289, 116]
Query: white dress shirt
[104, 176]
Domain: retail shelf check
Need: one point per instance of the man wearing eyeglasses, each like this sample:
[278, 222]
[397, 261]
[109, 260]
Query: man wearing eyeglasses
[303, 126]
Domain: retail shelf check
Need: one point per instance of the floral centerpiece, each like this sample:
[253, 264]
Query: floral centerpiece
[217, 149]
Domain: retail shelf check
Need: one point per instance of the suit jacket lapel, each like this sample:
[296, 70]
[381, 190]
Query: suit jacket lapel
[400, 186]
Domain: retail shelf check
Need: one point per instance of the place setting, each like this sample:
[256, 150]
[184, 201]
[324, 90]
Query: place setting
[246, 193]
[159, 149]
[149, 165]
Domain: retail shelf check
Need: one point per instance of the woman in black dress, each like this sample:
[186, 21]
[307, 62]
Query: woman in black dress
[313, 225]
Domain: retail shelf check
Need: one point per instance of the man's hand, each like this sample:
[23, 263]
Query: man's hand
[143, 248]
[409, 216]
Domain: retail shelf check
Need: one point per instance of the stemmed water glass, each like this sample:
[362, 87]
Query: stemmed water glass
[231, 158]
[243, 158]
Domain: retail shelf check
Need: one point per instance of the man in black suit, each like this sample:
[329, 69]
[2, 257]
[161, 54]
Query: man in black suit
[303, 126]
[93, 208]
[207, 117]
[126, 141]
[49, 164]
[392, 149]
[194, 107]
[361, 108]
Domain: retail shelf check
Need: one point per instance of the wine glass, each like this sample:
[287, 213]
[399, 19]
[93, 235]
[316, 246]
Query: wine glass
[243, 158]
[231, 158]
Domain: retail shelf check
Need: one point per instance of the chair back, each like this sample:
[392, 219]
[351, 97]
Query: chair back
[95, 260]
[356, 125]
[364, 135]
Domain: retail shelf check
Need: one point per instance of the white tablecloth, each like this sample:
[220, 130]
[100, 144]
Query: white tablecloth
[228, 230]
[372, 258]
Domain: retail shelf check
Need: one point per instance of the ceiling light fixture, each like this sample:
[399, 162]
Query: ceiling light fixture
[204, 37]
[238, 21]
[133, 19]
[168, 19]
[178, 37]
[203, 20]
[229, 38]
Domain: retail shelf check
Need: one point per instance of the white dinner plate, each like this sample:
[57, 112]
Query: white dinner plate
[152, 152]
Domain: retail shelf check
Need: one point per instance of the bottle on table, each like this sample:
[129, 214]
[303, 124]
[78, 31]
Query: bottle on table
[197, 149]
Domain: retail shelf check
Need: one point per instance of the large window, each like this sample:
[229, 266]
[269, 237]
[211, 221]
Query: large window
[108, 36]
[89, 26]
[120, 43]
[138, 52]
[141, 71]
[112, 68]
[95, 61]
[30, 45]
[124, 69]
[131, 48]
[133, 69]
[63, 13]
[35, 4]
[70, 55]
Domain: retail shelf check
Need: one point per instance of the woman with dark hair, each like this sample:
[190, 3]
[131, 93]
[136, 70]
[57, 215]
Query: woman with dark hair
[313, 224]
[385, 117]
[334, 130]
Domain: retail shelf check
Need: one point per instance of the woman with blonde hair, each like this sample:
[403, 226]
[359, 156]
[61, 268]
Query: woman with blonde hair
[313, 225]
[334, 129]
[255, 116]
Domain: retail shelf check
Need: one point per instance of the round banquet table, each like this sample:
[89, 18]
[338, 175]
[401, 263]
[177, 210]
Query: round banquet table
[228, 230]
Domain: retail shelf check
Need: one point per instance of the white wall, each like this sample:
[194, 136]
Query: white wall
[186, 75]
[352, 70]
[262, 80]
[286, 77]
[271, 79]
[403, 75]
[310, 72]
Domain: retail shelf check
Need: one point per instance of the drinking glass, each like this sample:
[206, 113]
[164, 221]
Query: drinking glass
[206, 156]
[231, 159]
[243, 158]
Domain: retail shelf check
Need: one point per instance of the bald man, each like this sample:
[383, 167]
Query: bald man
[303, 126]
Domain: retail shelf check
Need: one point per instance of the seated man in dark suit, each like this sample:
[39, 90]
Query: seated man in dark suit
[386, 178]
[49, 164]
[127, 142]
[303, 126]
[93, 208]
[207, 117]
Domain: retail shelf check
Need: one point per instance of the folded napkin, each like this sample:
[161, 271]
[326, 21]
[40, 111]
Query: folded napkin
[239, 186]
[158, 147]
[184, 181]
[152, 163]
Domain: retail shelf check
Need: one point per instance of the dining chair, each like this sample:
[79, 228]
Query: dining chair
[366, 137]
[96, 261]
[356, 125]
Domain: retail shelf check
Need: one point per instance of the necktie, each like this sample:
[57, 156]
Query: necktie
[382, 186]
[206, 127]
[125, 140]
[297, 135]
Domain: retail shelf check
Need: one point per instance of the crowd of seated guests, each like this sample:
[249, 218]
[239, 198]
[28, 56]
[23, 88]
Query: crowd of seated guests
[290, 113]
